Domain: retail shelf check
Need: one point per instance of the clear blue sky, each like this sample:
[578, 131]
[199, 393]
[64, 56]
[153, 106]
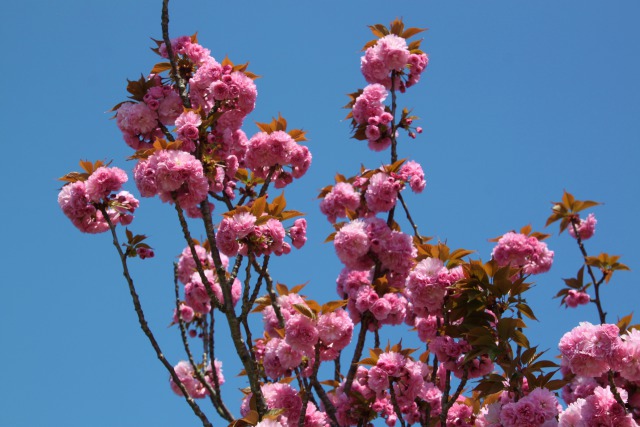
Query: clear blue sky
[520, 101]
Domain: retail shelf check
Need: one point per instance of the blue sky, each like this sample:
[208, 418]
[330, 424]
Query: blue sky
[520, 101]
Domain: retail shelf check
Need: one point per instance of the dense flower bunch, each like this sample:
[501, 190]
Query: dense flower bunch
[522, 251]
[84, 197]
[372, 191]
[391, 55]
[188, 377]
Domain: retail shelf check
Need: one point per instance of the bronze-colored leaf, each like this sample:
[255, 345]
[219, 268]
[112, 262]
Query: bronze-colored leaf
[410, 32]
[160, 67]
[304, 310]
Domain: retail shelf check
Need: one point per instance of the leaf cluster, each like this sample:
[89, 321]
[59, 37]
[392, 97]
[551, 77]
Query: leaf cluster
[88, 168]
[280, 124]
[567, 210]
[397, 28]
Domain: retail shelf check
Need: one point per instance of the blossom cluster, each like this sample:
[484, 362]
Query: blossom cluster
[538, 408]
[208, 132]
[371, 192]
[188, 377]
[329, 331]
[393, 370]
[81, 200]
[285, 400]
[391, 54]
[522, 251]
[241, 234]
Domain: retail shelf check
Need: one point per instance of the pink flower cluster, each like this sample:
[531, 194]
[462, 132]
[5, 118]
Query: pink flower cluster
[341, 198]
[427, 286]
[332, 331]
[575, 298]
[285, 398]
[586, 228]
[277, 149]
[80, 201]
[192, 384]
[591, 350]
[369, 110]
[139, 122]
[361, 243]
[391, 53]
[407, 377]
[539, 408]
[197, 297]
[187, 128]
[239, 234]
[172, 173]
[522, 251]
[600, 408]
[377, 193]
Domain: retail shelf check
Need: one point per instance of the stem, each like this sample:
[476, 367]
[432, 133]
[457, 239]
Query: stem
[406, 211]
[196, 258]
[396, 408]
[357, 353]
[394, 142]
[596, 283]
[182, 87]
[145, 327]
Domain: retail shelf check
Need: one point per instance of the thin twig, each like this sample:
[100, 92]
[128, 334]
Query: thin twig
[182, 87]
[406, 211]
[145, 327]
[216, 401]
[396, 407]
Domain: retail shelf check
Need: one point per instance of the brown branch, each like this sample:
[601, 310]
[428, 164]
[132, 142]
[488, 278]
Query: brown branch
[396, 408]
[196, 258]
[406, 211]
[145, 327]
[182, 87]
[248, 363]
[357, 353]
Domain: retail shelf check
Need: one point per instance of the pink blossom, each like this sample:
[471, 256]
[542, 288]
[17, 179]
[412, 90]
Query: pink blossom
[191, 383]
[341, 197]
[298, 233]
[103, 181]
[523, 251]
[412, 173]
[187, 127]
[352, 244]
[301, 333]
[378, 380]
[186, 314]
[575, 298]
[136, 118]
[382, 192]
[590, 350]
[172, 173]
[630, 354]
[169, 108]
[266, 150]
[602, 409]
[145, 253]
[586, 228]
[335, 329]
[278, 396]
